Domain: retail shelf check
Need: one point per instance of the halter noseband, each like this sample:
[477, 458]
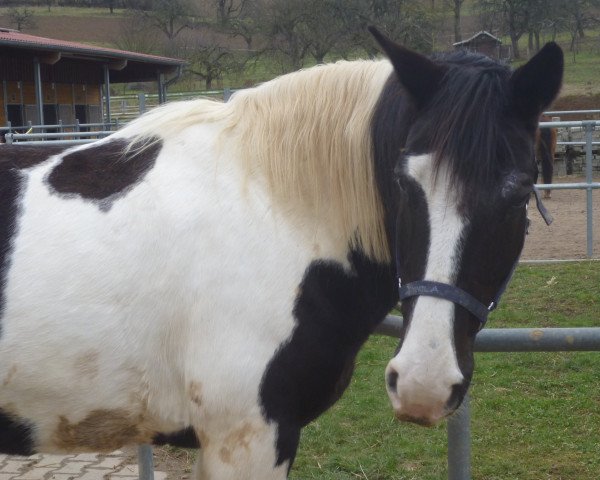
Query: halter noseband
[457, 295]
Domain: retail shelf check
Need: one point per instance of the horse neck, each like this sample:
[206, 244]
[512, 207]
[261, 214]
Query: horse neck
[309, 135]
[389, 132]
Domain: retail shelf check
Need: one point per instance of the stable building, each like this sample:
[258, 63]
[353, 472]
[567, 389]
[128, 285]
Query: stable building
[487, 44]
[45, 81]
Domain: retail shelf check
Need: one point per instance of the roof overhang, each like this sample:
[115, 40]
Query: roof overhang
[124, 65]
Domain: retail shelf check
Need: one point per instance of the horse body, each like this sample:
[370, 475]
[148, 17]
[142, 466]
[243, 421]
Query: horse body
[133, 339]
[209, 273]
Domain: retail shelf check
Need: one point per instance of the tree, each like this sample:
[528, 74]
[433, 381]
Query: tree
[296, 29]
[281, 21]
[323, 30]
[517, 17]
[228, 10]
[410, 22]
[137, 35]
[21, 18]
[575, 16]
[238, 18]
[209, 61]
[171, 17]
[456, 6]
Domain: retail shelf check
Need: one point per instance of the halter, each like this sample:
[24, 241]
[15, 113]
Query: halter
[457, 295]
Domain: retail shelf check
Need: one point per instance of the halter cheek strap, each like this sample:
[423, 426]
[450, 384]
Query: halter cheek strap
[457, 295]
[541, 207]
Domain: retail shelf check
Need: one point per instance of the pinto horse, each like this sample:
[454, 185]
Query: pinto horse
[207, 275]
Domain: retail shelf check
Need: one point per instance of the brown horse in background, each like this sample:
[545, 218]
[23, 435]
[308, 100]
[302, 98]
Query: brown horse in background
[545, 146]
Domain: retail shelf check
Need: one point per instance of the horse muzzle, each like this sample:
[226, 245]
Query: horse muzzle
[423, 401]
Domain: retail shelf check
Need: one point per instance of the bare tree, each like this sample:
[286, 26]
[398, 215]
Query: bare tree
[456, 7]
[575, 17]
[238, 18]
[138, 35]
[21, 18]
[408, 21]
[514, 17]
[210, 61]
[282, 24]
[171, 17]
[297, 29]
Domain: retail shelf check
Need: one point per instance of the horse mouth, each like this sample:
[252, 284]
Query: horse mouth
[422, 421]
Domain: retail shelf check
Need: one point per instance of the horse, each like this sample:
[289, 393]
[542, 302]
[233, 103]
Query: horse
[206, 275]
[545, 148]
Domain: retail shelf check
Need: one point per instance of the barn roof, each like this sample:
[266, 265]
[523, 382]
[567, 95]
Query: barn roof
[483, 33]
[71, 62]
[22, 41]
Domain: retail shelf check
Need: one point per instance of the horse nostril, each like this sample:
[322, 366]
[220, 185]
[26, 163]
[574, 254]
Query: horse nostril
[392, 380]
[458, 391]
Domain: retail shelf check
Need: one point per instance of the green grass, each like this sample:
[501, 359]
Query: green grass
[534, 415]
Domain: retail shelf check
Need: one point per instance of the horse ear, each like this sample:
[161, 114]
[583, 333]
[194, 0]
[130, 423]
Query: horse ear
[419, 75]
[536, 84]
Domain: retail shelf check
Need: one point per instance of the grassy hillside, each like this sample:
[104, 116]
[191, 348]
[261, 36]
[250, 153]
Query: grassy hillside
[99, 27]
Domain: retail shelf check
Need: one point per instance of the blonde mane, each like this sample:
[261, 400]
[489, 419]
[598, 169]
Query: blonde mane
[309, 133]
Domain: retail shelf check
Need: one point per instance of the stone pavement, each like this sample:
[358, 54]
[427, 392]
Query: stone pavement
[85, 466]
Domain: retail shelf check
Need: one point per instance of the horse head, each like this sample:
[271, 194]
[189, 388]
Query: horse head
[463, 129]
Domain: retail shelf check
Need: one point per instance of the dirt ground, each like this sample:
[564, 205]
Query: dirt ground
[566, 237]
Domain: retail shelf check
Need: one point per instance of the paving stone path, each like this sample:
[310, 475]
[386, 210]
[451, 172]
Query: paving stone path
[86, 466]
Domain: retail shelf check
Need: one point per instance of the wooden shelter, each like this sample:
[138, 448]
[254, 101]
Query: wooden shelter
[485, 43]
[45, 81]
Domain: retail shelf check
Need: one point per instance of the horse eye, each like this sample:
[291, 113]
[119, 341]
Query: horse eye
[521, 201]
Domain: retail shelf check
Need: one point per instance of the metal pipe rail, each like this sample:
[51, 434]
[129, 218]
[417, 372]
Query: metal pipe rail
[567, 186]
[570, 123]
[500, 340]
[589, 127]
[63, 139]
[572, 112]
[26, 136]
[60, 126]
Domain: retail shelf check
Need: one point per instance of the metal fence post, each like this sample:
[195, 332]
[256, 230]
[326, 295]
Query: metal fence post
[142, 102]
[589, 130]
[459, 443]
[145, 462]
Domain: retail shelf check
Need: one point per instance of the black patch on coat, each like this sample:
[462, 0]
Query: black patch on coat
[104, 172]
[16, 436]
[183, 439]
[335, 313]
[24, 156]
